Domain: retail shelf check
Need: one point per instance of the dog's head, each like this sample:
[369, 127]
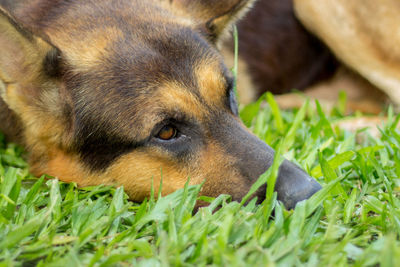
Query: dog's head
[124, 92]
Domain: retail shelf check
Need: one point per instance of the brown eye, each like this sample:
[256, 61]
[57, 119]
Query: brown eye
[167, 132]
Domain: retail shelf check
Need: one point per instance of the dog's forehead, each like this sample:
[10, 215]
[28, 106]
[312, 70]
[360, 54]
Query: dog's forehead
[137, 49]
[161, 54]
[146, 59]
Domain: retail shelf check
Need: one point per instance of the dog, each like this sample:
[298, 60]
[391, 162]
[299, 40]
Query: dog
[320, 47]
[127, 92]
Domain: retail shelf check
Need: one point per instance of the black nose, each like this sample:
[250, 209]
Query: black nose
[294, 185]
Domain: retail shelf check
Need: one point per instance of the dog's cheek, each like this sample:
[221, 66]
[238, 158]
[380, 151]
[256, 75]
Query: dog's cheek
[138, 170]
[210, 164]
[62, 165]
[217, 169]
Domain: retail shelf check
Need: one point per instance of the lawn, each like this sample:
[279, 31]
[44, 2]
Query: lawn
[354, 220]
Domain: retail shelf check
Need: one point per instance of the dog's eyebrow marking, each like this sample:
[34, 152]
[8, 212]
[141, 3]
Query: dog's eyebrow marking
[211, 82]
[86, 52]
[176, 97]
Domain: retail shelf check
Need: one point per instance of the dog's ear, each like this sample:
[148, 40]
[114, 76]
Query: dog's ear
[25, 61]
[213, 17]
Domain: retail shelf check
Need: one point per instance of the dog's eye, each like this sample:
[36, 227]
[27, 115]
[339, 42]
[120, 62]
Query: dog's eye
[168, 132]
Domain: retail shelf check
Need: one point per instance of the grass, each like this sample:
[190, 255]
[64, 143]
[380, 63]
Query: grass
[353, 221]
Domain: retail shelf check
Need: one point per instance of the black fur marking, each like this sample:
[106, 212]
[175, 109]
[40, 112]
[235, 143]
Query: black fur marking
[52, 63]
[100, 150]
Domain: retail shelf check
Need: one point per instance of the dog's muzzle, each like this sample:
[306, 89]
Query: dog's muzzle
[255, 157]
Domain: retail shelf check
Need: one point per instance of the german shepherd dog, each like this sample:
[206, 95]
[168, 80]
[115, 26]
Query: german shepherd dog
[124, 92]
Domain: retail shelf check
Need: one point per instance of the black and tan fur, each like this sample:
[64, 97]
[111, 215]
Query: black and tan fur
[87, 85]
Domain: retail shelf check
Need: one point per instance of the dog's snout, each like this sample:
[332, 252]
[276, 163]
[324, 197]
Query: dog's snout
[254, 157]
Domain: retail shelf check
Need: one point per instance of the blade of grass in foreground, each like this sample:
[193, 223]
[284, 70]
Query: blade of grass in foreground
[269, 178]
[276, 112]
[16, 235]
[315, 200]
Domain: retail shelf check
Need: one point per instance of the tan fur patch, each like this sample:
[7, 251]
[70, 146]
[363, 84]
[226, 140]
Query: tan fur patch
[135, 171]
[171, 97]
[85, 53]
[177, 97]
[64, 166]
[21, 58]
[212, 85]
[43, 126]
[218, 171]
